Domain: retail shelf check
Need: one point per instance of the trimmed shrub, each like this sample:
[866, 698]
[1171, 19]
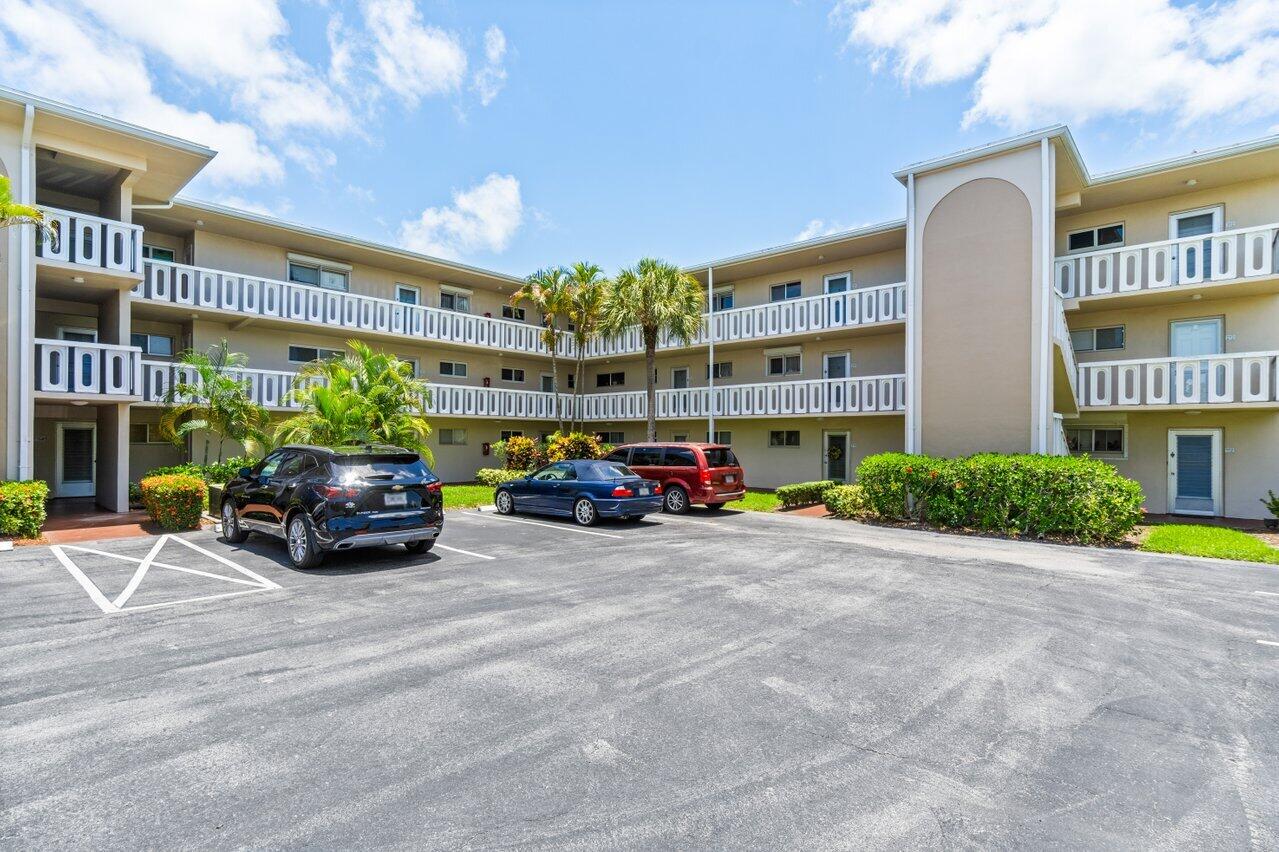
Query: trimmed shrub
[575, 445]
[22, 508]
[493, 476]
[803, 493]
[1070, 496]
[846, 501]
[521, 453]
[223, 471]
[175, 501]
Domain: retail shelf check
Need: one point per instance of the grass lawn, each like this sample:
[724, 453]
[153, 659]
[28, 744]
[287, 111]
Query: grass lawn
[1218, 542]
[756, 501]
[467, 496]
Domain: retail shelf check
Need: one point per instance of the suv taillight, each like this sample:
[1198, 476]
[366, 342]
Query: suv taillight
[435, 487]
[623, 491]
[337, 492]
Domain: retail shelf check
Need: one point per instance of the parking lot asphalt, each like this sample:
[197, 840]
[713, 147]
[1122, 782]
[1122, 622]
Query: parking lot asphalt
[730, 681]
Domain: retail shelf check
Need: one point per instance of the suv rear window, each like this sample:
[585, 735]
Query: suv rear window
[720, 457]
[650, 456]
[680, 457]
[408, 465]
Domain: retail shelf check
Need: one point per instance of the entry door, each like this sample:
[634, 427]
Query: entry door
[835, 365]
[76, 470]
[1194, 471]
[835, 455]
[679, 378]
[1197, 338]
[1194, 223]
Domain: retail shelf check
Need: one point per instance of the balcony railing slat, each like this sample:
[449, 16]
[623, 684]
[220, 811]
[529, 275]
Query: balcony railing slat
[1228, 379]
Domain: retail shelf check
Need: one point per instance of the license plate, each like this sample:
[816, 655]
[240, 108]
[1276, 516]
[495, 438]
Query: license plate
[400, 499]
[643, 492]
[730, 478]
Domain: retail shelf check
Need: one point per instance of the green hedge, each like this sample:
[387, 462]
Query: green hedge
[1071, 496]
[575, 445]
[175, 501]
[846, 501]
[493, 476]
[223, 471]
[803, 493]
[22, 508]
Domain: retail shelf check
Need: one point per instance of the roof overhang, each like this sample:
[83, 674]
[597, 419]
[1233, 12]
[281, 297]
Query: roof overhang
[858, 242]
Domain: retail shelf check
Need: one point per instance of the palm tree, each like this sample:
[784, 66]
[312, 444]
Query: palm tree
[214, 398]
[547, 291]
[16, 214]
[363, 397]
[663, 301]
[587, 288]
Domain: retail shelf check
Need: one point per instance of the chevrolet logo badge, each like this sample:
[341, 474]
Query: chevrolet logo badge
[397, 487]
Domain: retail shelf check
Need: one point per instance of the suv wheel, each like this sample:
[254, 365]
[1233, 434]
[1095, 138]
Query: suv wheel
[714, 507]
[232, 532]
[301, 542]
[584, 512]
[505, 503]
[676, 500]
[422, 545]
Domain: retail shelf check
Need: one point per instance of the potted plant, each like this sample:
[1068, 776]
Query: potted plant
[1271, 502]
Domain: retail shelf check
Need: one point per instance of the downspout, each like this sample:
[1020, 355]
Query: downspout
[26, 308]
[710, 357]
[913, 394]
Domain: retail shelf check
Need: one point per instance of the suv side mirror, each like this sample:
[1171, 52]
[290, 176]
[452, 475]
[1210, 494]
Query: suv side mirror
[245, 473]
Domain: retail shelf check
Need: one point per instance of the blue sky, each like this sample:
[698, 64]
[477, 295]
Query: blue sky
[519, 134]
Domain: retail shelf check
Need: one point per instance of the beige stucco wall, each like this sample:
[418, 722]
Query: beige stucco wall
[977, 275]
[870, 270]
[1250, 325]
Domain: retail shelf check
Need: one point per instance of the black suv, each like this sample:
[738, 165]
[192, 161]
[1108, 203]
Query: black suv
[336, 498]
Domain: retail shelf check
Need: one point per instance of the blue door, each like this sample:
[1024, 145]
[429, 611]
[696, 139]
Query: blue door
[547, 489]
[1193, 473]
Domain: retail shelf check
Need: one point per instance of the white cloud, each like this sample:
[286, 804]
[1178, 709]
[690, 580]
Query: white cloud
[316, 160]
[411, 58]
[817, 228]
[361, 193]
[278, 211]
[1073, 60]
[482, 218]
[490, 79]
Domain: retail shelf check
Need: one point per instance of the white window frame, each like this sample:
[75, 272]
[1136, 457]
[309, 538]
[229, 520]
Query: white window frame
[1105, 427]
[710, 368]
[148, 253]
[152, 434]
[455, 292]
[688, 377]
[799, 439]
[1093, 230]
[341, 353]
[454, 364]
[607, 437]
[76, 329]
[506, 434]
[517, 314]
[452, 434]
[408, 288]
[846, 354]
[321, 265]
[541, 380]
[1218, 212]
[770, 354]
[798, 295]
[826, 279]
[723, 291]
[610, 374]
[146, 350]
[513, 381]
[1093, 333]
[716, 438]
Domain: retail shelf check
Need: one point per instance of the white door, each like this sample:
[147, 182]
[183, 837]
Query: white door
[1193, 223]
[835, 455]
[75, 467]
[1193, 339]
[1194, 471]
[679, 378]
[836, 365]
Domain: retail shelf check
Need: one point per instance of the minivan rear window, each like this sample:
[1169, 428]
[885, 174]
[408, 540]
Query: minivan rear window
[680, 457]
[720, 457]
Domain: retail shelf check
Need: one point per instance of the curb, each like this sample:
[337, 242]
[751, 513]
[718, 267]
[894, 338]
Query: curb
[489, 508]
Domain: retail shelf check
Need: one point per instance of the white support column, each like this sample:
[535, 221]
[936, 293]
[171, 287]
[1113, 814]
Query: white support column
[913, 395]
[710, 357]
[1041, 406]
[25, 373]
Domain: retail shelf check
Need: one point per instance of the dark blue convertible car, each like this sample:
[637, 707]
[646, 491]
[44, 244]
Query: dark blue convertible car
[583, 490]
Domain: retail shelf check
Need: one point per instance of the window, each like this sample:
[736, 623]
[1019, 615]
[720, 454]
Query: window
[646, 457]
[453, 368]
[572, 381]
[454, 299]
[782, 292]
[1095, 238]
[152, 344]
[452, 437]
[610, 380]
[307, 354]
[720, 369]
[783, 438]
[145, 433]
[679, 437]
[680, 457]
[679, 378]
[720, 438]
[408, 295]
[512, 374]
[417, 372]
[548, 383]
[512, 313]
[840, 283]
[508, 434]
[784, 364]
[157, 253]
[79, 335]
[1097, 440]
[319, 273]
[610, 437]
[722, 457]
[1098, 339]
[618, 455]
[722, 299]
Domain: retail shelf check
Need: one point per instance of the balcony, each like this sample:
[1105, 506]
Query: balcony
[1065, 387]
[81, 243]
[868, 307]
[1245, 259]
[226, 293]
[1245, 380]
[75, 371]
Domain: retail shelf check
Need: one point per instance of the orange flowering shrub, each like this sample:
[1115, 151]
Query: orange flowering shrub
[175, 501]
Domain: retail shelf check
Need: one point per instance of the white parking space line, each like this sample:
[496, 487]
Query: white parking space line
[143, 567]
[1267, 642]
[562, 527]
[463, 552]
[158, 564]
[94, 594]
[1269, 594]
[680, 519]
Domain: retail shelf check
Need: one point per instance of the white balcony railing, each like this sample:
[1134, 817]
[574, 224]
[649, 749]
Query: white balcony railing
[1061, 335]
[88, 240]
[248, 295]
[73, 367]
[1224, 256]
[861, 307]
[1243, 378]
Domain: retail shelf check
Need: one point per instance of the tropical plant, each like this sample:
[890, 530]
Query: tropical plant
[175, 502]
[547, 291]
[364, 397]
[587, 290]
[212, 397]
[17, 214]
[663, 301]
[575, 445]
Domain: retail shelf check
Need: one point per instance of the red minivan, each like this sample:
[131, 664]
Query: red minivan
[689, 473]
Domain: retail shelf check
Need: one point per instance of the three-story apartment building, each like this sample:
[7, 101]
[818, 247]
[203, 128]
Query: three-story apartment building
[1022, 304]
